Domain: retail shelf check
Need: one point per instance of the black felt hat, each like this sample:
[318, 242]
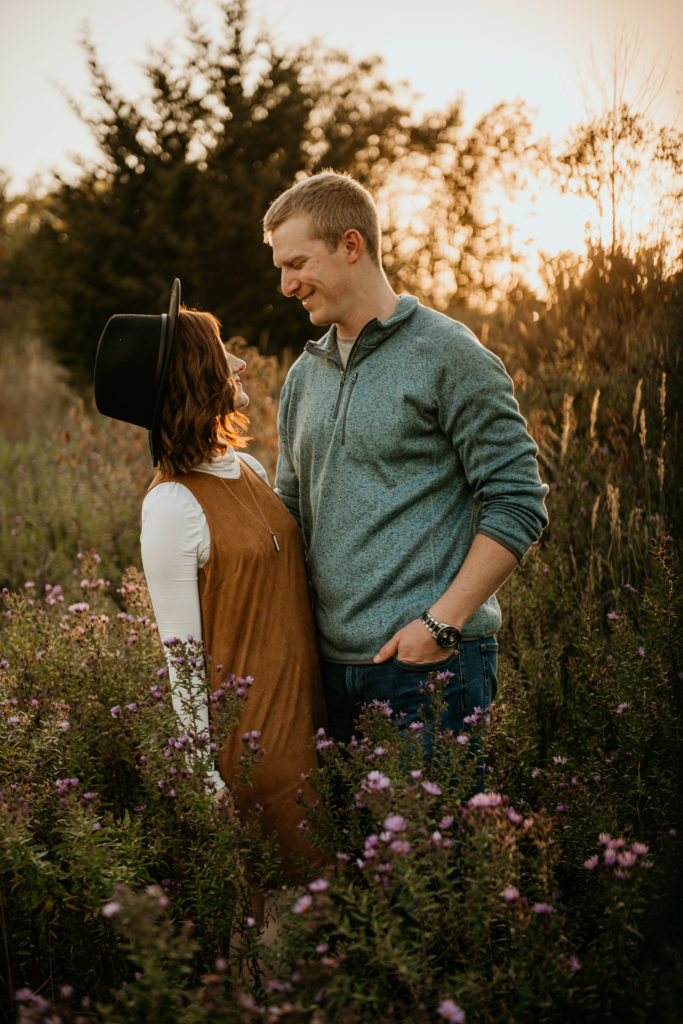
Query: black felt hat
[131, 367]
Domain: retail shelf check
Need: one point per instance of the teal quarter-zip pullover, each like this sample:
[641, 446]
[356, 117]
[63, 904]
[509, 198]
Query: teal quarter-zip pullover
[392, 466]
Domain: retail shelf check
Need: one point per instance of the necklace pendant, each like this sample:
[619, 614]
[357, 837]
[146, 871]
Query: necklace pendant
[277, 546]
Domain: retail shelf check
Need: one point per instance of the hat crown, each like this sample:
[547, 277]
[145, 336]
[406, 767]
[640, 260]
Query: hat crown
[128, 367]
[131, 366]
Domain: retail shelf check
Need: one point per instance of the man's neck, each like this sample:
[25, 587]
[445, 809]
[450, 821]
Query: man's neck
[380, 305]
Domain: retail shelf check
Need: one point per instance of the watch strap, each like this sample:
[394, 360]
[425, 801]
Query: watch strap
[435, 627]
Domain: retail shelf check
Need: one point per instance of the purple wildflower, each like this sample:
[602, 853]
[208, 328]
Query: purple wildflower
[80, 608]
[400, 846]
[451, 1012]
[432, 788]
[25, 995]
[319, 885]
[376, 781]
[303, 904]
[543, 908]
[384, 706]
[484, 800]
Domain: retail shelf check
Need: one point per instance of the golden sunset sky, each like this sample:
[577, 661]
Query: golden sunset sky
[485, 50]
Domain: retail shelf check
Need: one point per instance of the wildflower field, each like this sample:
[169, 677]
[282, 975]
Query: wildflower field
[554, 895]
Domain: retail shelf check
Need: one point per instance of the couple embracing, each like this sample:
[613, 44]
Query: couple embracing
[407, 490]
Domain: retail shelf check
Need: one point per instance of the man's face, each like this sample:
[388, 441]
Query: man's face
[316, 276]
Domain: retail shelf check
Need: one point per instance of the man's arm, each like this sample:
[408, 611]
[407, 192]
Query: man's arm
[486, 567]
[480, 416]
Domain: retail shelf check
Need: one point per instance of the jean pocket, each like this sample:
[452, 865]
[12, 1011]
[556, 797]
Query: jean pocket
[426, 666]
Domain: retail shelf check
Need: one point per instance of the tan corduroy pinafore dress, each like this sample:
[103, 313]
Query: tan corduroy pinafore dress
[257, 621]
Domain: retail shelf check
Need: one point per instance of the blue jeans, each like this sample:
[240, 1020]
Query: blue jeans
[473, 664]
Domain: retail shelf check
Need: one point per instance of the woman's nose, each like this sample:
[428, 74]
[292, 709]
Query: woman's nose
[236, 364]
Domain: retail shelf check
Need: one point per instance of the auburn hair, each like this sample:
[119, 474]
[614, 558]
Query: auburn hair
[198, 417]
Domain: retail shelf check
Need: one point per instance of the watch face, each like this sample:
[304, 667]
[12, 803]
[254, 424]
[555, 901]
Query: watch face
[448, 636]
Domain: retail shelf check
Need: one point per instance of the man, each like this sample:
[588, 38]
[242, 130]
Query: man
[406, 462]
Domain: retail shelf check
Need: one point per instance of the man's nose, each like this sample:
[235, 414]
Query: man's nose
[289, 283]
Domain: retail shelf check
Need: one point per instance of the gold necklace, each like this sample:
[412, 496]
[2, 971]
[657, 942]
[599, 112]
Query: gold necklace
[248, 510]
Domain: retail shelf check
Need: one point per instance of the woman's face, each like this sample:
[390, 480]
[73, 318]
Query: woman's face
[238, 366]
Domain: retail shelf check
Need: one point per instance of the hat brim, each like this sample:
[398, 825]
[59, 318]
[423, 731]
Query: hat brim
[165, 354]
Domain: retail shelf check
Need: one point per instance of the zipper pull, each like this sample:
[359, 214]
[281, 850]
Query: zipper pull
[346, 407]
[339, 395]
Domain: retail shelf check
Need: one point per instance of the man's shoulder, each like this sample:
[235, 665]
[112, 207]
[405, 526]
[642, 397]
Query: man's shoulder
[444, 339]
[442, 327]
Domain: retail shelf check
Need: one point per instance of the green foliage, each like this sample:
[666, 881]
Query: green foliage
[78, 490]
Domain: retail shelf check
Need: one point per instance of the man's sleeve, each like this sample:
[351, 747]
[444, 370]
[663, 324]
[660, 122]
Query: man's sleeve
[286, 478]
[480, 414]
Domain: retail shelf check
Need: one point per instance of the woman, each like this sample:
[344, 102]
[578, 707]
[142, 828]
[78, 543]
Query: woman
[222, 556]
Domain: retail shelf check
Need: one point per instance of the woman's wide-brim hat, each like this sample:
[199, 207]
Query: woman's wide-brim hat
[131, 367]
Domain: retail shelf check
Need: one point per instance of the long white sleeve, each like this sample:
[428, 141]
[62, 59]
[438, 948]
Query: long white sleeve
[175, 543]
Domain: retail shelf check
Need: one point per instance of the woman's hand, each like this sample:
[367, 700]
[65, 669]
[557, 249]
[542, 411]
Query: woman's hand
[224, 801]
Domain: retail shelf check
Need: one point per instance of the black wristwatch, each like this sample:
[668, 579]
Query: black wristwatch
[445, 635]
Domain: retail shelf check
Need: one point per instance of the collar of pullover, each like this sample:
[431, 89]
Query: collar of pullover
[372, 334]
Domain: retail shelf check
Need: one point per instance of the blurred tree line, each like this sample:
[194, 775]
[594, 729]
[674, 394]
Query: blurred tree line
[185, 174]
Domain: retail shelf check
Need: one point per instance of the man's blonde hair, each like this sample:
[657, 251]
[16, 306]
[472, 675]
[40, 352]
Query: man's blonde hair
[333, 203]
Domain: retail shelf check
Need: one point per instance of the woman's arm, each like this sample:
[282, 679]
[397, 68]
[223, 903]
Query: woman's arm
[175, 543]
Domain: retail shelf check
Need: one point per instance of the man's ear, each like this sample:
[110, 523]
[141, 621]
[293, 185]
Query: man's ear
[353, 243]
